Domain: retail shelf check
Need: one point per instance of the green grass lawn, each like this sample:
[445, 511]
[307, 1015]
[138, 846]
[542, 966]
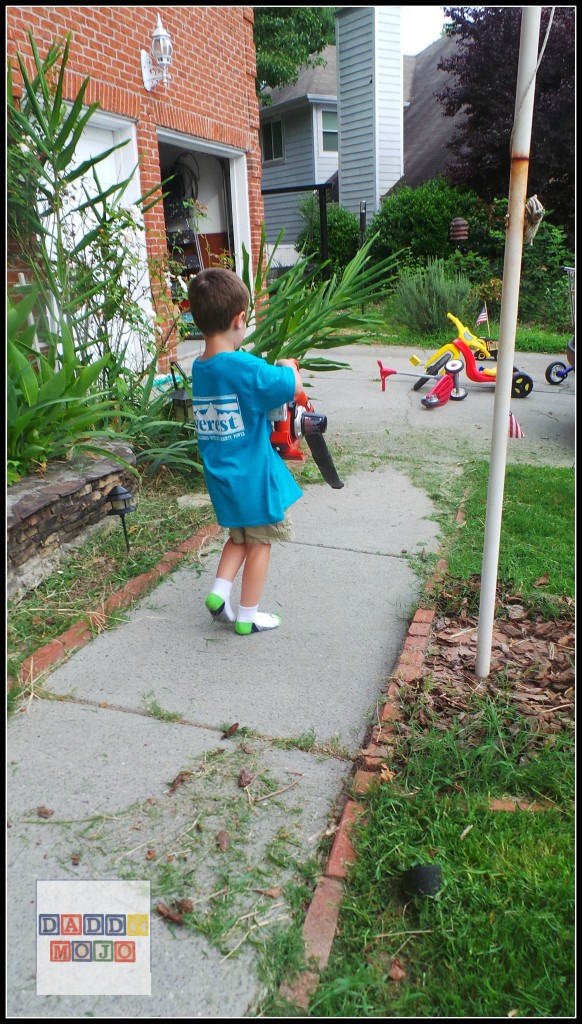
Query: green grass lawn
[527, 339]
[536, 556]
[497, 940]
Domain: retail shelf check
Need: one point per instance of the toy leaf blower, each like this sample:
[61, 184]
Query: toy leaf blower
[298, 419]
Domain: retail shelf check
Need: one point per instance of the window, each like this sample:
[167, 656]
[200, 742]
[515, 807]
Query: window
[272, 141]
[329, 131]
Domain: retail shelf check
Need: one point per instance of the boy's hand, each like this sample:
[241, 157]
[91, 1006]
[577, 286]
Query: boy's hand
[293, 364]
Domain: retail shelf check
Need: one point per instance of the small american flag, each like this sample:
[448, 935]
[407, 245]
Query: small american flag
[514, 427]
[482, 318]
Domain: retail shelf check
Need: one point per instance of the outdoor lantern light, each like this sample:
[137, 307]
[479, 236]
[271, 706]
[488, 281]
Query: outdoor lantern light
[181, 400]
[121, 500]
[459, 230]
[155, 64]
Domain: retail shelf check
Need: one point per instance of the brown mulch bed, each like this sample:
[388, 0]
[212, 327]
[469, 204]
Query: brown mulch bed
[532, 664]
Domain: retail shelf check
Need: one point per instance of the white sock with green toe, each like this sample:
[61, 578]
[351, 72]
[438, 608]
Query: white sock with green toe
[250, 620]
[218, 601]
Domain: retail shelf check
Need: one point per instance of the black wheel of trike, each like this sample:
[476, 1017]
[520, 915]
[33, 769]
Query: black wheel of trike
[556, 372]
[521, 385]
[432, 370]
[459, 395]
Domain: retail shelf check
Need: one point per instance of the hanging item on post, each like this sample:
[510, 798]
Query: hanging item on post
[180, 397]
[534, 213]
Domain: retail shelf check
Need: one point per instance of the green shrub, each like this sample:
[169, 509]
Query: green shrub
[343, 234]
[543, 293]
[424, 297]
[52, 407]
[418, 219]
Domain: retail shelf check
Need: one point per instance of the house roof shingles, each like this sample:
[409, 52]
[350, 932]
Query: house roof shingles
[318, 82]
[426, 128]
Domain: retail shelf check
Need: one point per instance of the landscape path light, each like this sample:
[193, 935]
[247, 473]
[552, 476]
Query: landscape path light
[121, 500]
[181, 399]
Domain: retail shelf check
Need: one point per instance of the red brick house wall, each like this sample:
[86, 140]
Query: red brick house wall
[210, 96]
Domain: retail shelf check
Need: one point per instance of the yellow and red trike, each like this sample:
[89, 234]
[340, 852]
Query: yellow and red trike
[451, 359]
[468, 347]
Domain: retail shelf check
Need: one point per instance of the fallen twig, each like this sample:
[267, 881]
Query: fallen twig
[260, 924]
[277, 792]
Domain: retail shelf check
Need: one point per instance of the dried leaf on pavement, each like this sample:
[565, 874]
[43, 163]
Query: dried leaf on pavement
[245, 778]
[230, 731]
[185, 906]
[223, 841]
[181, 777]
[170, 915]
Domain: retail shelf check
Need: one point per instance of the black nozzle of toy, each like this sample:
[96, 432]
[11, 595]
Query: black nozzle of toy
[313, 423]
[323, 459]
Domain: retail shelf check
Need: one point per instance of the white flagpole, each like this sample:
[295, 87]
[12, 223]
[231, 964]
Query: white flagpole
[488, 327]
[520, 148]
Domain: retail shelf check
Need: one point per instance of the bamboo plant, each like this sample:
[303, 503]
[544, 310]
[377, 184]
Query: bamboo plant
[294, 313]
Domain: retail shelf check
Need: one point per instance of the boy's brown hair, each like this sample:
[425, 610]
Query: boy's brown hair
[216, 296]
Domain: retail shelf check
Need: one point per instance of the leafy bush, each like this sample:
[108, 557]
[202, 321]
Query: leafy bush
[418, 219]
[71, 380]
[424, 297]
[343, 234]
[51, 410]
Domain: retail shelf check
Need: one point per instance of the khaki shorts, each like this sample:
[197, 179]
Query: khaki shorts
[263, 534]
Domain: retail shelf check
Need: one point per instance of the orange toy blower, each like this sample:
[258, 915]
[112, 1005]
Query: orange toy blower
[298, 419]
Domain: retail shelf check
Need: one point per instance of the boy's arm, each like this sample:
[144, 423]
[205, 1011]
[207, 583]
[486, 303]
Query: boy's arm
[293, 364]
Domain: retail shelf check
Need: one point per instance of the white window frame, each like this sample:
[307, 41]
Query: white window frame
[127, 164]
[321, 131]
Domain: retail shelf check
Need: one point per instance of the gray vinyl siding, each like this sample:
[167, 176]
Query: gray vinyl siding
[370, 102]
[389, 99]
[355, 44]
[297, 168]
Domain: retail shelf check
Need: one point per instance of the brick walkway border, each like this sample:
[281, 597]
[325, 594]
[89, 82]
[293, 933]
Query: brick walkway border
[82, 632]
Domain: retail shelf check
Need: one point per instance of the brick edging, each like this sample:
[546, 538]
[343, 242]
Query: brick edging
[48, 656]
[321, 920]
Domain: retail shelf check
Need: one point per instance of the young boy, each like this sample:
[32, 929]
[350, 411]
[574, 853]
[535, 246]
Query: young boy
[249, 485]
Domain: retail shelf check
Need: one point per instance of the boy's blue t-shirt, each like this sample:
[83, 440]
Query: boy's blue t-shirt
[247, 480]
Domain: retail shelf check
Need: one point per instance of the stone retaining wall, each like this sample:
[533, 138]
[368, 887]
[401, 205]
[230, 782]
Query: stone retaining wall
[48, 515]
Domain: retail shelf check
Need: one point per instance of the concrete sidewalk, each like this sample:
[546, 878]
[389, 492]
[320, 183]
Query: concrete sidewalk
[103, 755]
[346, 593]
